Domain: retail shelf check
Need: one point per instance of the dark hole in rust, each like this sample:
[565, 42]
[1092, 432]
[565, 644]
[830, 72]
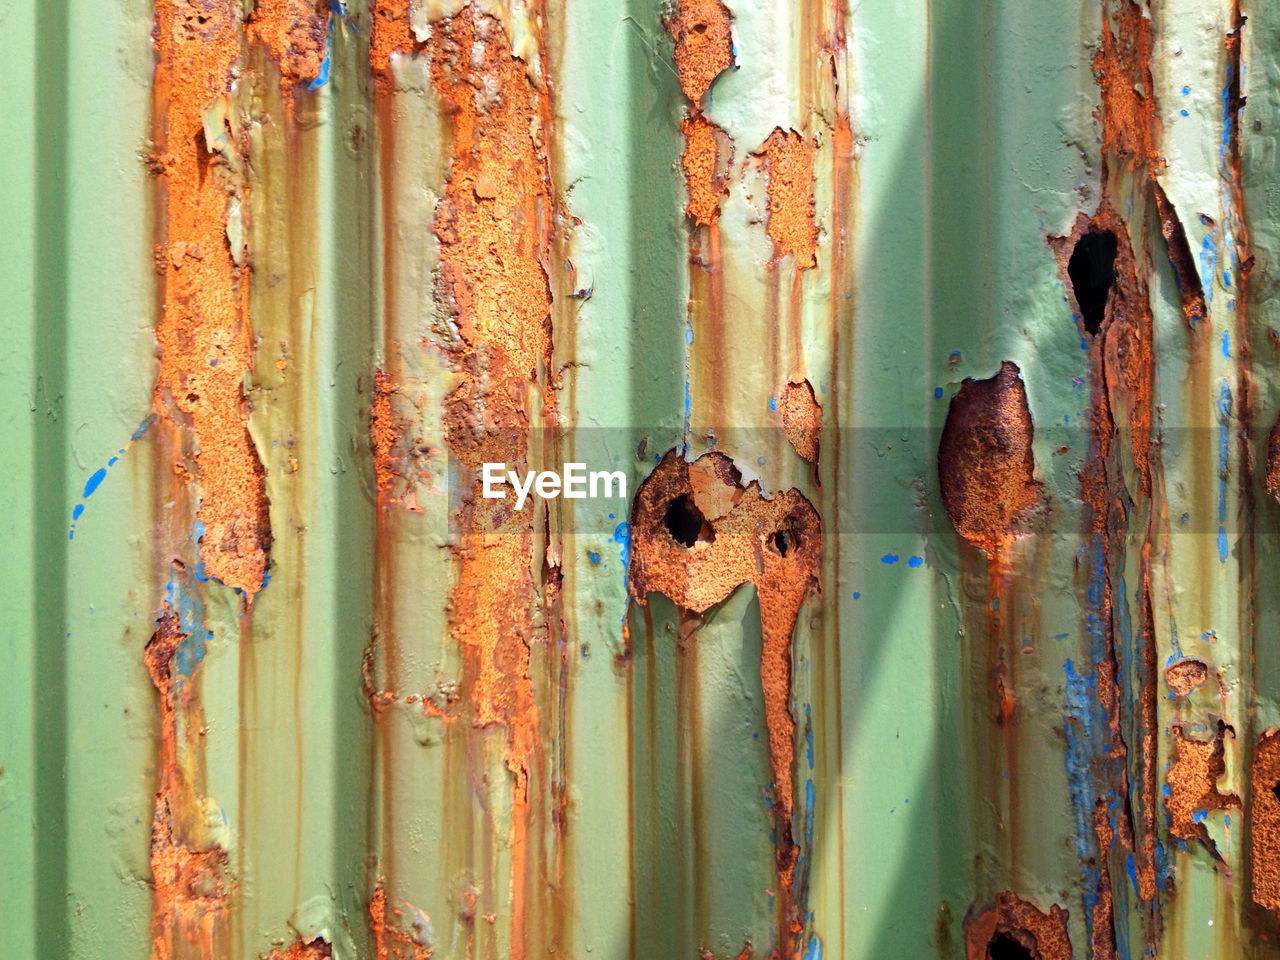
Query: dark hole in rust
[1092, 272]
[1005, 946]
[685, 522]
[781, 541]
[1275, 790]
[700, 28]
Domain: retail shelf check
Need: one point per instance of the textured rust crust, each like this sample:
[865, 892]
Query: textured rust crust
[206, 346]
[190, 917]
[1264, 821]
[1198, 765]
[985, 465]
[296, 32]
[1273, 459]
[708, 153]
[390, 942]
[1185, 675]
[1190, 289]
[1122, 68]
[391, 33]
[775, 544]
[1044, 935]
[788, 164]
[802, 419]
[702, 31]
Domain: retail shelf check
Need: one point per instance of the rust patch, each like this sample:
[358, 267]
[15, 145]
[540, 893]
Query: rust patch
[707, 155]
[788, 164]
[1273, 459]
[1185, 675]
[1190, 289]
[189, 873]
[802, 419]
[1198, 765]
[313, 949]
[985, 464]
[296, 32]
[391, 33]
[384, 435]
[1122, 69]
[390, 941]
[1264, 821]
[698, 534]
[1012, 923]
[702, 31]
[206, 346]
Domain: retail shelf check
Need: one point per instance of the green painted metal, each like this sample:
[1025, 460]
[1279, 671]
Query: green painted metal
[975, 140]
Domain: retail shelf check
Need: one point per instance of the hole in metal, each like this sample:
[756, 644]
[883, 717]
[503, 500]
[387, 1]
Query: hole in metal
[1092, 272]
[685, 522]
[1004, 946]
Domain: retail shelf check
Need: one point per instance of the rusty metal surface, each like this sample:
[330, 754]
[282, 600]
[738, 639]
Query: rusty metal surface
[935, 344]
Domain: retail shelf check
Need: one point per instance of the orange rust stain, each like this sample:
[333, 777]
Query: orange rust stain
[788, 164]
[985, 464]
[702, 31]
[1264, 821]
[390, 942]
[737, 537]
[296, 32]
[190, 916]
[1190, 289]
[802, 419]
[1122, 68]
[206, 346]
[1044, 935]
[707, 155]
[313, 949]
[1185, 675]
[391, 33]
[1193, 778]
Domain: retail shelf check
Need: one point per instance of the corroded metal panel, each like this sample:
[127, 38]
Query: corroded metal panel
[933, 345]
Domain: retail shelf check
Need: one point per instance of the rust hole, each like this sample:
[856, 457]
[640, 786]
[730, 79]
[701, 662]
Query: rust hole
[1092, 272]
[1275, 790]
[781, 541]
[685, 522]
[1005, 946]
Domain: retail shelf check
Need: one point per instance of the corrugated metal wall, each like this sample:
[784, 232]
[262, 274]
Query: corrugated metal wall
[936, 344]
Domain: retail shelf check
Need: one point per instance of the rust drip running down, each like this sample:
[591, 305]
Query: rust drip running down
[801, 417]
[985, 465]
[189, 871]
[697, 535]
[1185, 675]
[788, 165]
[391, 33]
[1273, 459]
[1198, 765]
[390, 941]
[206, 346]
[296, 32]
[708, 154]
[702, 31]
[1264, 821]
[1015, 929]
[313, 949]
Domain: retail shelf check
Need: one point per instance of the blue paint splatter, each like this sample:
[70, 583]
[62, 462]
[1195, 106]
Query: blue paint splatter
[75, 514]
[889, 558]
[93, 482]
[622, 536]
[688, 335]
[915, 562]
[773, 403]
[1184, 113]
[1208, 261]
[1185, 91]
[937, 393]
[1226, 344]
[856, 594]
[593, 557]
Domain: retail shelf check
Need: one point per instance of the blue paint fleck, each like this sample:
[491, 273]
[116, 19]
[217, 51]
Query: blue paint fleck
[75, 514]
[593, 557]
[937, 393]
[1185, 91]
[622, 537]
[915, 562]
[1184, 113]
[323, 77]
[92, 483]
[773, 403]
[889, 558]
[688, 335]
[1226, 344]
[856, 594]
